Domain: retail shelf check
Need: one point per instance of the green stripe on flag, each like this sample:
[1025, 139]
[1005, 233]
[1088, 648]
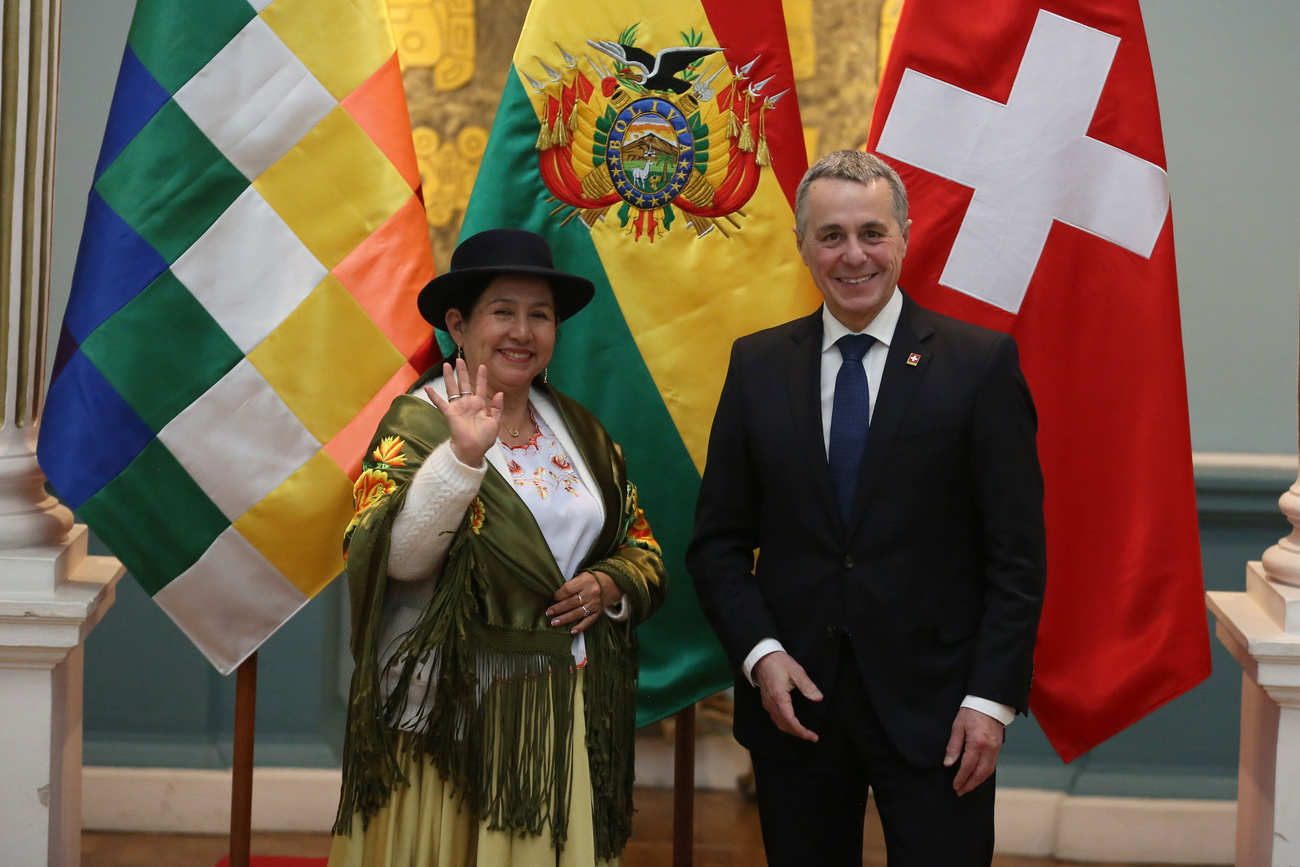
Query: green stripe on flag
[154, 518]
[175, 40]
[597, 362]
[185, 354]
[170, 183]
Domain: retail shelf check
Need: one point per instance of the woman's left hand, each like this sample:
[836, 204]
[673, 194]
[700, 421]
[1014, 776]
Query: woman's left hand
[582, 599]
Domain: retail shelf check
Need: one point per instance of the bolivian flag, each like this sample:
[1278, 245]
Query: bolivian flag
[658, 147]
[243, 306]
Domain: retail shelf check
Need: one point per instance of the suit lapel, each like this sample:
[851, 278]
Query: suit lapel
[898, 386]
[803, 384]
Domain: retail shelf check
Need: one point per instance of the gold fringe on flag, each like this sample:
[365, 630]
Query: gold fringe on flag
[733, 125]
[747, 131]
[764, 155]
[560, 133]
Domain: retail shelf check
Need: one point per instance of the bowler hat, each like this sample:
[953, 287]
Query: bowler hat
[481, 258]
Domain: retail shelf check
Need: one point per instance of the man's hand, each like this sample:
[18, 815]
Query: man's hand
[776, 675]
[976, 740]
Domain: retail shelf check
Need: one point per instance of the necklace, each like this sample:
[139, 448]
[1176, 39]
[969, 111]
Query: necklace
[514, 431]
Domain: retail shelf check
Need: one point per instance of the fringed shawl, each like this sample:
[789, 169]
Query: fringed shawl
[497, 711]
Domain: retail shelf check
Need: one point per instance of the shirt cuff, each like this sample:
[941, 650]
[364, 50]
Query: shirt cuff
[1004, 714]
[762, 649]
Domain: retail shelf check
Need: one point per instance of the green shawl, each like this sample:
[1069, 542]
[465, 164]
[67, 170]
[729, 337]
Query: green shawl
[497, 715]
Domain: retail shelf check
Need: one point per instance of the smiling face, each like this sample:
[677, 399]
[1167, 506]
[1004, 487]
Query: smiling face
[853, 247]
[511, 329]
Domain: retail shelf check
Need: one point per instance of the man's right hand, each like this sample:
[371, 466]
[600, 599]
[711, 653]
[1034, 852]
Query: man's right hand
[776, 676]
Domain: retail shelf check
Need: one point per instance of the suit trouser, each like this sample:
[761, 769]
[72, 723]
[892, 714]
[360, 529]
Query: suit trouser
[812, 801]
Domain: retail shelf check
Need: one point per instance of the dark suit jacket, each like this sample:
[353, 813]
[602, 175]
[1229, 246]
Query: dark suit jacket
[938, 576]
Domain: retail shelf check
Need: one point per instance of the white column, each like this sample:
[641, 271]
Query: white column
[1261, 628]
[51, 593]
[41, 633]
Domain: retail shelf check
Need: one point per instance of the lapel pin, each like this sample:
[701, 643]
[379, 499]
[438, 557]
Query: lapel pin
[914, 359]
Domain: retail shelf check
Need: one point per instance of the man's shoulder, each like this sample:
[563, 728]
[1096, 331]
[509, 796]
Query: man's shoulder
[796, 330]
[957, 331]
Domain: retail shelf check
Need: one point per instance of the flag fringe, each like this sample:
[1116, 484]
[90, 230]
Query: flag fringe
[560, 133]
[747, 137]
[733, 125]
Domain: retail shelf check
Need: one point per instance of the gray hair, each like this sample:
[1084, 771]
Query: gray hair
[848, 165]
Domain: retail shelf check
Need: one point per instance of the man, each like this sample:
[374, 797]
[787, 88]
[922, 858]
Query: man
[869, 547]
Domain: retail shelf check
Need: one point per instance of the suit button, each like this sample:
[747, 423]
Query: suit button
[848, 562]
[832, 631]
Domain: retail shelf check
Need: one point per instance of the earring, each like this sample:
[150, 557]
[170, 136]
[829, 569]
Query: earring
[545, 375]
[460, 352]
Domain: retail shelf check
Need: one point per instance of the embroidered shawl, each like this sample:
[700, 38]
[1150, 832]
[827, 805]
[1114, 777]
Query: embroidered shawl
[498, 680]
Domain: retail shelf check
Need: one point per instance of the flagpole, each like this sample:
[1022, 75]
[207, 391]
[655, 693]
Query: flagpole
[241, 793]
[684, 788]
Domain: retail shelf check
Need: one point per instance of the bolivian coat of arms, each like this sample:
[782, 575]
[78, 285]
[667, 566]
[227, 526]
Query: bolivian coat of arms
[679, 133]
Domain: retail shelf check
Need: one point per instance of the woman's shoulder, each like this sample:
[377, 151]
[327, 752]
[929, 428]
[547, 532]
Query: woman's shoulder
[413, 417]
[549, 400]
[580, 422]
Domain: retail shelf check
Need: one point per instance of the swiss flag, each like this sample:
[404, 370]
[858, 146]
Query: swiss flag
[1028, 136]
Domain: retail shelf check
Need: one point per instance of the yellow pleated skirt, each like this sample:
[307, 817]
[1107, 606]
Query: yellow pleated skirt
[423, 825]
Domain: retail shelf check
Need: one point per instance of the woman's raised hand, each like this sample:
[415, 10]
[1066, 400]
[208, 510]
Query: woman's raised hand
[473, 417]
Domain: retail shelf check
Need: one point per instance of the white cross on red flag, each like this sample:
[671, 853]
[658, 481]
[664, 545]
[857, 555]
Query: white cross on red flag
[1028, 136]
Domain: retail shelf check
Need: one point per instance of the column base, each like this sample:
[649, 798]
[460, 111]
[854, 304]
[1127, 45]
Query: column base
[1256, 628]
[50, 599]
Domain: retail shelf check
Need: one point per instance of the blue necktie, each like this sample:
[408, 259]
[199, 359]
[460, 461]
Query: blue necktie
[850, 416]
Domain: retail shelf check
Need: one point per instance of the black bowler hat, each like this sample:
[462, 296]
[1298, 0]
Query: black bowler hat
[483, 257]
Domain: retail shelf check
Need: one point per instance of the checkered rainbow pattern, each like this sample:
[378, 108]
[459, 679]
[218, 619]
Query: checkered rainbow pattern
[243, 307]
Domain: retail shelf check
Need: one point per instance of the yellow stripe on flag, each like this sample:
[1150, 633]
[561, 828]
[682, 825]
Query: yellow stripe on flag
[705, 293]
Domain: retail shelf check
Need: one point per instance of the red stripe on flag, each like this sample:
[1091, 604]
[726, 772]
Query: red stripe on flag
[760, 28]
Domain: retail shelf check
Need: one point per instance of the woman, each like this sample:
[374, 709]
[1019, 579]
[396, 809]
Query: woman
[498, 565]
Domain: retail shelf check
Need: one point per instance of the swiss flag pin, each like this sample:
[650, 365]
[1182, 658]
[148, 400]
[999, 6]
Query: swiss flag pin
[914, 359]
